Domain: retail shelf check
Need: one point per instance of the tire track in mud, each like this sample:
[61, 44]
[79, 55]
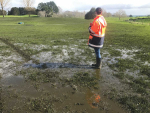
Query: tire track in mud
[22, 53]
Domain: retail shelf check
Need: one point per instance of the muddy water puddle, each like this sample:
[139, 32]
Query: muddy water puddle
[21, 95]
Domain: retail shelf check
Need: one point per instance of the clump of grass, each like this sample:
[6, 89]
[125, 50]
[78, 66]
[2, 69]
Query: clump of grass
[144, 55]
[4, 47]
[138, 88]
[135, 104]
[119, 75]
[31, 51]
[60, 42]
[74, 60]
[6, 53]
[71, 53]
[139, 100]
[129, 77]
[145, 70]
[56, 51]
[141, 85]
[112, 94]
[40, 76]
[142, 82]
[123, 64]
[114, 52]
[44, 105]
[84, 79]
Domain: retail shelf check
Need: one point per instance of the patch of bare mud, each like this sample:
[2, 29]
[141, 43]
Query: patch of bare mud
[43, 56]
[61, 56]
[2, 44]
[147, 63]
[9, 66]
[127, 53]
[9, 63]
[32, 46]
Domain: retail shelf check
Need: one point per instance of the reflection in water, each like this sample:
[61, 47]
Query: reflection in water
[93, 98]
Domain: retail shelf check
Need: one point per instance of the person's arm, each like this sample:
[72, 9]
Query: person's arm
[91, 24]
[94, 28]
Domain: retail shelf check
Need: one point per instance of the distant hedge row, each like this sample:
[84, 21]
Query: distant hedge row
[139, 19]
[21, 11]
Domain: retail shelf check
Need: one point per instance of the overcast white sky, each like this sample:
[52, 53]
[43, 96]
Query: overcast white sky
[134, 7]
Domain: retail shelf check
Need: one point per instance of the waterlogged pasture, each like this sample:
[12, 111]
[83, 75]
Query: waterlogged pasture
[45, 67]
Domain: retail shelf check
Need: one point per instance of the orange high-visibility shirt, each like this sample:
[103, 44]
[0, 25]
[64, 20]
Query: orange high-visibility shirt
[97, 32]
[98, 26]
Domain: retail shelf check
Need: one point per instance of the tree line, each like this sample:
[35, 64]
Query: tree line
[48, 7]
[22, 11]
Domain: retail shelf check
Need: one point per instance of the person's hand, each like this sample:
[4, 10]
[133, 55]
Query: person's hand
[91, 24]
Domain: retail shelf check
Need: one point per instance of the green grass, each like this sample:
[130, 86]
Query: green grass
[42, 30]
[45, 107]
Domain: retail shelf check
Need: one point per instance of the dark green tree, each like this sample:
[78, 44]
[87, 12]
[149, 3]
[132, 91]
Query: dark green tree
[22, 11]
[53, 6]
[44, 7]
[90, 14]
[14, 11]
[48, 7]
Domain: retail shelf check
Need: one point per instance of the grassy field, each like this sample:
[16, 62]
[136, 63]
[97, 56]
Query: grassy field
[57, 47]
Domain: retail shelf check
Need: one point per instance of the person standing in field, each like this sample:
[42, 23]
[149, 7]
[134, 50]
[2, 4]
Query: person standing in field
[97, 34]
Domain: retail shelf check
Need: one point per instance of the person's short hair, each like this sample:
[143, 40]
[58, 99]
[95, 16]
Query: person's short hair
[98, 10]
